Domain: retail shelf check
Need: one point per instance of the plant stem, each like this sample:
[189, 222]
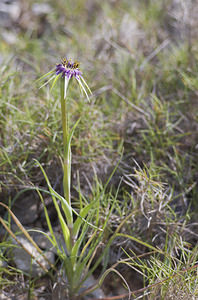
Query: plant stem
[66, 162]
[66, 146]
[67, 177]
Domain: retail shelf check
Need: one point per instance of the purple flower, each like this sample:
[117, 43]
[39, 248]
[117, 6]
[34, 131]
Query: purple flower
[69, 69]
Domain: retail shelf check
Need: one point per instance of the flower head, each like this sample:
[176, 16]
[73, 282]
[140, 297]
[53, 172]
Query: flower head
[69, 69]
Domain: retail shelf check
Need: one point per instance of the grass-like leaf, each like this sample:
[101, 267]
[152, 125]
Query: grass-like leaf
[82, 214]
[67, 211]
[45, 75]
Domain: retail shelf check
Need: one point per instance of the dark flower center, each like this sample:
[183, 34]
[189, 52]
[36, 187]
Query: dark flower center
[68, 64]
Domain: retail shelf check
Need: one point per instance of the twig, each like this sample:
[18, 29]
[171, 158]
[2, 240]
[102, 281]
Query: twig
[154, 53]
[141, 111]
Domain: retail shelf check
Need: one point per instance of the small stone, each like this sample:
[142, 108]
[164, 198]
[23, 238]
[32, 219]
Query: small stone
[40, 9]
[11, 9]
[25, 209]
[41, 240]
[44, 243]
[5, 20]
[95, 294]
[3, 296]
[9, 37]
[25, 262]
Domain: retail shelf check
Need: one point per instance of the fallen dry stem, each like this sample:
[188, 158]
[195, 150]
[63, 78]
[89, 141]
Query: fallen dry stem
[20, 226]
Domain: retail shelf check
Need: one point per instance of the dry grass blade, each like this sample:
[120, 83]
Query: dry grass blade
[21, 244]
[20, 226]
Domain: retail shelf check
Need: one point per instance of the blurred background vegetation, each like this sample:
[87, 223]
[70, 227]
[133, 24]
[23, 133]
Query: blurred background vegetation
[140, 60]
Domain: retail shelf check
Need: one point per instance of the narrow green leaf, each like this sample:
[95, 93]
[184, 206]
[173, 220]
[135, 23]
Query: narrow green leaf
[53, 239]
[86, 84]
[85, 221]
[78, 243]
[82, 215]
[45, 75]
[139, 241]
[67, 209]
[47, 81]
[83, 88]
[72, 132]
[112, 173]
[54, 194]
[83, 260]
[55, 80]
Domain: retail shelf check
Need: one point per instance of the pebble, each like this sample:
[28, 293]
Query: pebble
[24, 261]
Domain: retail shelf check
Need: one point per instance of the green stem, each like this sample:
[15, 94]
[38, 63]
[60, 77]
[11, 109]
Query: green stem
[67, 179]
[67, 149]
